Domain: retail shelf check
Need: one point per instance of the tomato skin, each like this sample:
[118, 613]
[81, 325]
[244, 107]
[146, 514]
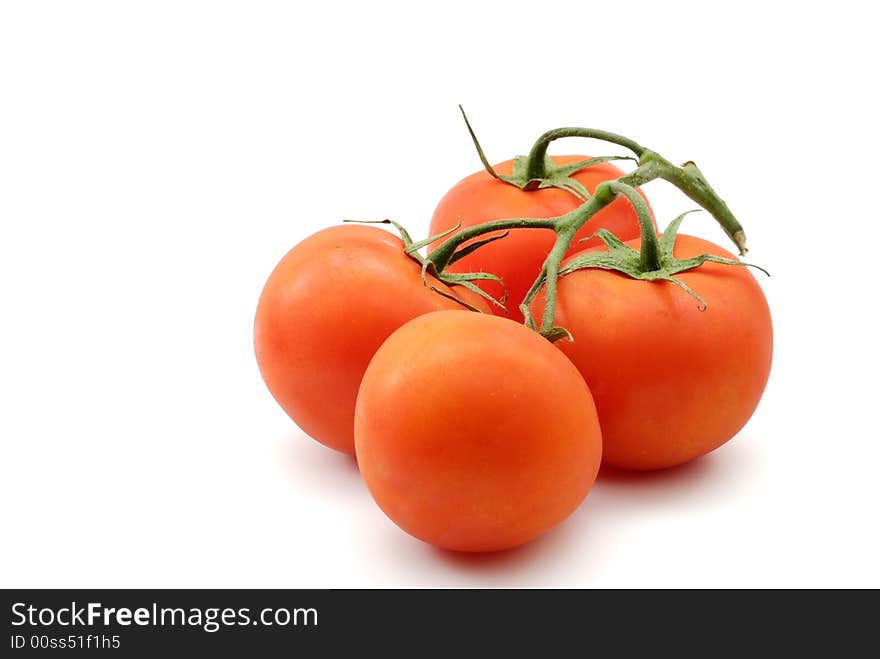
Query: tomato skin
[518, 257]
[326, 308]
[670, 382]
[473, 433]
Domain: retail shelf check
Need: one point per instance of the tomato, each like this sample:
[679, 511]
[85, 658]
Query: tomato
[474, 433]
[670, 382]
[518, 257]
[325, 309]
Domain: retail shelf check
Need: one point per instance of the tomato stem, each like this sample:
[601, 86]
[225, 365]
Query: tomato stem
[537, 158]
[690, 180]
[551, 273]
[687, 178]
[649, 254]
[537, 171]
[444, 252]
[566, 226]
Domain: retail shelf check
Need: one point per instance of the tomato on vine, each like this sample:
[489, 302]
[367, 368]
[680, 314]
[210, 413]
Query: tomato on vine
[674, 343]
[326, 308]
[474, 433]
[535, 187]
[477, 433]
[630, 340]
[535, 256]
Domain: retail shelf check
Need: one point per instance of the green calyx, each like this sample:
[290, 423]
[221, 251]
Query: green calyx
[632, 263]
[465, 279]
[526, 176]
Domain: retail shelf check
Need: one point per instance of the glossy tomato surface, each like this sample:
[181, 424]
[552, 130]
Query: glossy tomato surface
[325, 309]
[670, 382]
[474, 433]
[518, 257]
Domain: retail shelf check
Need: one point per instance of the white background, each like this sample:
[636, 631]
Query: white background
[158, 158]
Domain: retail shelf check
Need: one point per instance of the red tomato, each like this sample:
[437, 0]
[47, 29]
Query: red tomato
[670, 382]
[518, 257]
[474, 433]
[326, 308]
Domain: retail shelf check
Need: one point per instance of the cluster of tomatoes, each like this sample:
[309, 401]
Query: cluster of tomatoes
[473, 431]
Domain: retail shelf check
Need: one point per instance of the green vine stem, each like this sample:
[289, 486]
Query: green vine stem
[536, 162]
[650, 248]
[565, 227]
[690, 180]
[568, 226]
[653, 261]
[650, 262]
[444, 252]
[537, 171]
